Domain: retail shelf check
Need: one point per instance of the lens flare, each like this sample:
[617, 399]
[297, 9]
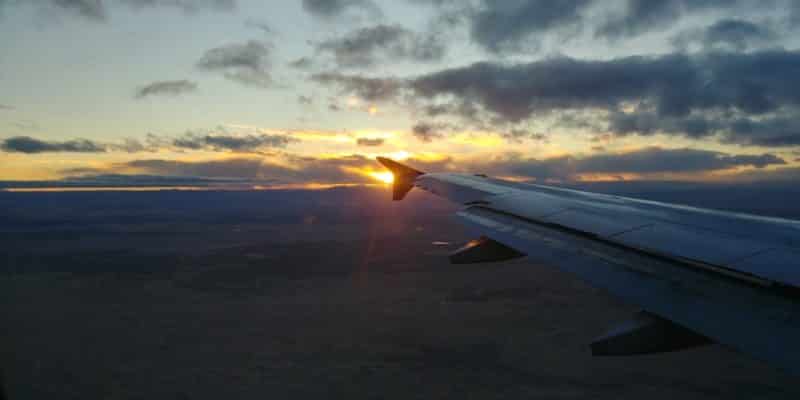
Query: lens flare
[385, 177]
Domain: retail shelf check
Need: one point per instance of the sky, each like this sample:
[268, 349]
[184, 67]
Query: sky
[274, 94]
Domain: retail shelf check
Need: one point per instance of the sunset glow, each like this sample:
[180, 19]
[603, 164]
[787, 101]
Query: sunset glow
[385, 177]
[262, 98]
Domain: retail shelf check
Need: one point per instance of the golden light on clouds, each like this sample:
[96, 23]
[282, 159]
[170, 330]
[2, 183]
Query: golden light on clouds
[478, 140]
[397, 155]
[385, 177]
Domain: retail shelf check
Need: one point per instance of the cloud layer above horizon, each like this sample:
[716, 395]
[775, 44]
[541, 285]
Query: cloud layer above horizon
[310, 92]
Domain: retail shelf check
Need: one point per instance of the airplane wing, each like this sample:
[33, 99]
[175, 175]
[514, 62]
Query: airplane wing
[700, 276]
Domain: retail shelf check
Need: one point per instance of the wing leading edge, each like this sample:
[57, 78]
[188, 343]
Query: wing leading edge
[729, 278]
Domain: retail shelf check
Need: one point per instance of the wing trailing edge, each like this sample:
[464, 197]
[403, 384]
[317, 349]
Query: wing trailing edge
[403, 177]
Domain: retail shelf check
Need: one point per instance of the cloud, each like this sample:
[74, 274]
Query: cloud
[279, 169]
[646, 162]
[188, 6]
[521, 25]
[673, 93]
[93, 180]
[90, 9]
[131, 145]
[6, 107]
[220, 140]
[225, 141]
[240, 168]
[302, 63]
[262, 26]
[369, 89]
[337, 8]
[284, 168]
[657, 160]
[427, 131]
[29, 145]
[517, 135]
[370, 142]
[276, 170]
[97, 10]
[367, 47]
[515, 92]
[500, 26]
[26, 125]
[727, 34]
[771, 131]
[168, 88]
[641, 16]
[247, 63]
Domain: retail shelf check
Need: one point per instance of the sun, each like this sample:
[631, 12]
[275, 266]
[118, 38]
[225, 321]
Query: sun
[385, 177]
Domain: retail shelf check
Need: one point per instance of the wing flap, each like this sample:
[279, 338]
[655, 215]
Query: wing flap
[778, 265]
[744, 317]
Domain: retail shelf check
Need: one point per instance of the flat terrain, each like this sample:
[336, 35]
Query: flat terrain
[307, 295]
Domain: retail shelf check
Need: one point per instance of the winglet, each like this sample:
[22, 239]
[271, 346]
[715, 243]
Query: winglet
[403, 177]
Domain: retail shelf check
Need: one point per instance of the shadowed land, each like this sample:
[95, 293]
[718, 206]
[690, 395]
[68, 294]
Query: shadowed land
[206, 295]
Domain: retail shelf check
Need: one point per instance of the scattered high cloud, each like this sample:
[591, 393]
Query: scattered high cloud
[301, 63]
[641, 16]
[97, 10]
[501, 26]
[517, 135]
[247, 63]
[165, 88]
[185, 5]
[338, 8]
[369, 89]
[520, 26]
[427, 131]
[728, 35]
[29, 145]
[368, 46]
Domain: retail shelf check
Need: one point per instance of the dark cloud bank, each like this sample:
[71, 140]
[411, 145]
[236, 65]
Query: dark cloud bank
[29, 145]
[652, 161]
[746, 98]
[212, 140]
[223, 141]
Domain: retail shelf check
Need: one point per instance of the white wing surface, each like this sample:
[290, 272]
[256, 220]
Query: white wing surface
[699, 275]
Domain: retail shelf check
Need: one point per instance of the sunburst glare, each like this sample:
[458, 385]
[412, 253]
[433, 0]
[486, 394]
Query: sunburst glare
[385, 177]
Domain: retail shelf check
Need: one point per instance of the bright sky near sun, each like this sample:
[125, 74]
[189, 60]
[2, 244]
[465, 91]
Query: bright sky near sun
[276, 93]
